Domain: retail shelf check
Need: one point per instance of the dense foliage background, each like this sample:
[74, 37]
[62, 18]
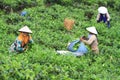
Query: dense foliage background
[45, 18]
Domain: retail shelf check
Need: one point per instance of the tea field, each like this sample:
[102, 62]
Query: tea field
[45, 18]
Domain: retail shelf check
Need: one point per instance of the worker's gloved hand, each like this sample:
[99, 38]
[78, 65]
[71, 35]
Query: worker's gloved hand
[85, 38]
[98, 21]
[108, 19]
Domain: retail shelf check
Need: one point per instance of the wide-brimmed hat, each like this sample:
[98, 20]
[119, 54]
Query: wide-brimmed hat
[102, 10]
[92, 30]
[25, 29]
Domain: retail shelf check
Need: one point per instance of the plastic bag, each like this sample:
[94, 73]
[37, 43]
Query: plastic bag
[71, 45]
[62, 52]
[81, 49]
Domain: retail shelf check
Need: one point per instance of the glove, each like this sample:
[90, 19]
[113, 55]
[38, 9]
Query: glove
[108, 19]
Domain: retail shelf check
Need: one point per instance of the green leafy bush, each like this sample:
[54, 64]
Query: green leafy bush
[16, 5]
[41, 62]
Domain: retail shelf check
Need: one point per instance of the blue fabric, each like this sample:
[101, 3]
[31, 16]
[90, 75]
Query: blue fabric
[18, 47]
[70, 46]
[82, 48]
[23, 13]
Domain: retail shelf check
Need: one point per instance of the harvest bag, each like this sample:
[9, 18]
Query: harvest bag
[82, 48]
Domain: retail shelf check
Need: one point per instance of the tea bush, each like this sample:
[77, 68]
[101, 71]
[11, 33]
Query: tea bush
[16, 5]
[41, 62]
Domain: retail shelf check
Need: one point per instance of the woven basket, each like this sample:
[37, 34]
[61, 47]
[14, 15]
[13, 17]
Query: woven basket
[68, 24]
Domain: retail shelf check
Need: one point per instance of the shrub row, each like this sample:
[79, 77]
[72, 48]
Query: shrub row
[16, 5]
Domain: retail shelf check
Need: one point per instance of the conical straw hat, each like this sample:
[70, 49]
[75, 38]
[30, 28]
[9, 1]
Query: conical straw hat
[25, 29]
[102, 10]
[92, 30]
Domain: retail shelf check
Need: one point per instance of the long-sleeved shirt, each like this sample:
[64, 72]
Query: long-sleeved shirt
[19, 46]
[20, 43]
[92, 41]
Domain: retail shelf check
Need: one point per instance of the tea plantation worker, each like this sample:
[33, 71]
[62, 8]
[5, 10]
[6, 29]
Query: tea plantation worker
[21, 42]
[103, 15]
[92, 39]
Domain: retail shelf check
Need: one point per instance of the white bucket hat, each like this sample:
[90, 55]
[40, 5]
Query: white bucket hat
[25, 29]
[92, 30]
[102, 10]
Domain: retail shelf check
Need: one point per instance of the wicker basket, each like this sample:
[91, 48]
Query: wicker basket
[68, 24]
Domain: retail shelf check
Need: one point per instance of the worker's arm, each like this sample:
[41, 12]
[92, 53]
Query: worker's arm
[108, 17]
[91, 39]
[31, 40]
[98, 16]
